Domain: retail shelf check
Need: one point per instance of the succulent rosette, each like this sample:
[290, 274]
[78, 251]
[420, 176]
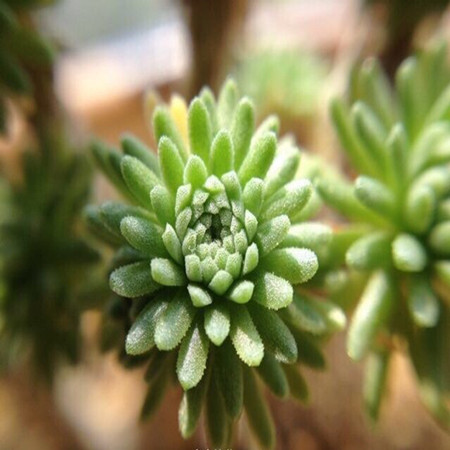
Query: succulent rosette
[209, 253]
[397, 141]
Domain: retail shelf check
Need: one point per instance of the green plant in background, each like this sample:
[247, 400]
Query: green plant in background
[397, 141]
[21, 49]
[284, 81]
[209, 252]
[44, 263]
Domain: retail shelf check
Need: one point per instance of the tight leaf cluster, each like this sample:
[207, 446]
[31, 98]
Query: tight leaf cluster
[209, 251]
[398, 142]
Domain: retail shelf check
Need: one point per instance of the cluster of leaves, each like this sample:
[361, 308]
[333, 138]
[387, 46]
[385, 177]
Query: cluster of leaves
[21, 50]
[44, 263]
[207, 255]
[398, 143]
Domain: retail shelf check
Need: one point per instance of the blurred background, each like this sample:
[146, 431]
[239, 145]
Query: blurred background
[291, 56]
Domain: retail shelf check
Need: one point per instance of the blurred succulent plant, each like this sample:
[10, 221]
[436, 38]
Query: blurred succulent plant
[21, 49]
[43, 260]
[209, 253]
[284, 81]
[399, 142]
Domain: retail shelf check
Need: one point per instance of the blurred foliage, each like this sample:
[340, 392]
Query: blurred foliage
[397, 141]
[285, 82]
[21, 49]
[45, 265]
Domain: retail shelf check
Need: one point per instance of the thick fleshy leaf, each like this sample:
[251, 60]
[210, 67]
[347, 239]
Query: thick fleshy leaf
[132, 146]
[333, 315]
[98, 227]
[259, 158]
[183, 198]
[251, 225]
[195, 172]
[420, 208]
[241, 292]
[275, 334]
[193, 268]
[289, 200]
[171, 164]
[191, 408]
[296, 265]
[221, 154]
[164, 127]
[257, 411]
[408, 253]
[283, 169]
[156, 392]
[297, 384]
[272, 374]
[253, 195]
[226, 103]
[139, 179]
[200, 133]
[422, 302]
[172, 244]
[167, 273]
[163, 205]
[309, 353]
[200, 297]
[375, 378]
[143, 235]
[303, 314]
[376, 196]
[217, 424]
[313, 235]
[221, 281]
[192, 357]
[251, 259]
[174, 323]
[245, 336]
[440, 239]
[112, 214]
[133, 280]
[370, 316]
[217, 323]
[242, 128]
[228, 370]
[272, 291]
[141, 337]
[370, 252]
[270, 234]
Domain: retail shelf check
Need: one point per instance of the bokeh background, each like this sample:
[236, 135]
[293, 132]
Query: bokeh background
[291, 56]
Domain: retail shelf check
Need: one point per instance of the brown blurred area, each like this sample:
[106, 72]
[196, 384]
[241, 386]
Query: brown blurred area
[96, 405]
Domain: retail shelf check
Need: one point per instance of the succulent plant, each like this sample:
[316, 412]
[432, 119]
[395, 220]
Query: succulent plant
[43, 259]
[21, 49]
[207, 257]
[286, 81]
[397, 142]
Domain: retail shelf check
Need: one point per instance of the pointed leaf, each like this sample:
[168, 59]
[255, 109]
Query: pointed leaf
[133, 280]
[192, 357]
[245, 337]
[174, 323]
